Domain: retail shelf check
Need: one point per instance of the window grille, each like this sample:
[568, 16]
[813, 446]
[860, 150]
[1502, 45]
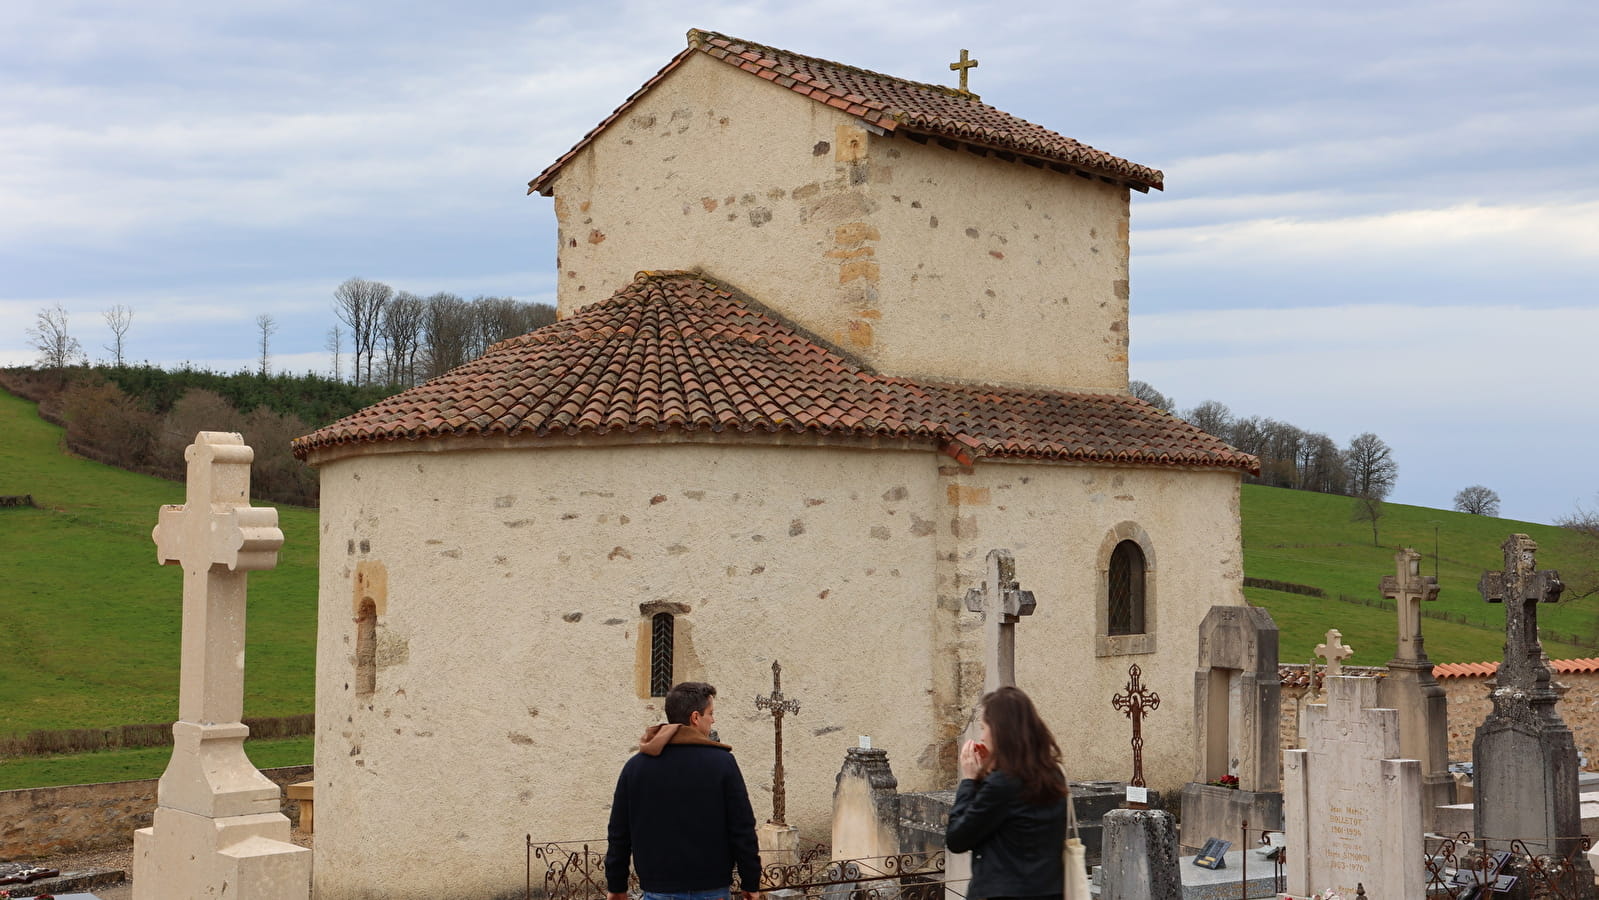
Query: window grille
[661, 654]
[1127, 589]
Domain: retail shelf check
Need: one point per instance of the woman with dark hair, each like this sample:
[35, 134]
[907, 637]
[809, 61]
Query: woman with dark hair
[1010, 808]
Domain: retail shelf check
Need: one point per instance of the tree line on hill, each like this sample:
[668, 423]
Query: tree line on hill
[1292, 457]
[398, 338]
[141, 418]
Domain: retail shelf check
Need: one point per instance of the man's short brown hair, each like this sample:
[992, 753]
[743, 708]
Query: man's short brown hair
[687, 698]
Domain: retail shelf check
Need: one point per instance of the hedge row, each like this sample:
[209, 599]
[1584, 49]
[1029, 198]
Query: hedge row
[1287, 586]
[85, 740]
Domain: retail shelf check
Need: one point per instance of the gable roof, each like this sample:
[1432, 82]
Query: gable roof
[674, 351]
[888, 104]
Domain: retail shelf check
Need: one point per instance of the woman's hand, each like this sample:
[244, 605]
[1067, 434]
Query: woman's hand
[971, 758]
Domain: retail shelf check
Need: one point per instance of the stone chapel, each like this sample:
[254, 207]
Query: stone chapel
[826, 338]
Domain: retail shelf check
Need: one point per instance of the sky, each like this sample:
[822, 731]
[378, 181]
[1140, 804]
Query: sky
[1379, 216]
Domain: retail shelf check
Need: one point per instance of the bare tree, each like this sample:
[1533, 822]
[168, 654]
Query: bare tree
[1477, 500]
[1322, 465]
[1372, 470]
[448, 331]
[1212, 418]
[268, 327]
[359, 304]
[57, 348]
[1146, 392]
[1368, 508]
[335, 346]
[402, 337]
[119, 319]
[1583, 580]
[499, 318]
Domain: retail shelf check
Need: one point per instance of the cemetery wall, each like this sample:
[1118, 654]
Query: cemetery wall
[43, 822]
[865, 240]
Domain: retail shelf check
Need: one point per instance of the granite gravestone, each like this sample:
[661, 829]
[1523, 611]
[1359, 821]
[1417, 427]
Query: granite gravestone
[1352, 808]
[1237, 709]
[1411, 688]
[1525, 760]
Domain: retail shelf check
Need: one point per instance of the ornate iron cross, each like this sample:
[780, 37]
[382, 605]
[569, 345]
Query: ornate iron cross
[779, 706]
[962, 67]
[1137, 701]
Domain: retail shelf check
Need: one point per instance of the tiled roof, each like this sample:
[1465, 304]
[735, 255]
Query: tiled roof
[889, 103]
[675, 351]
[1486, 669]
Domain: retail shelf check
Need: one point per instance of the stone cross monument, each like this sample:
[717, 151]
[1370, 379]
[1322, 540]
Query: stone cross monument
[1411, 688]
[1002, 603]
[1334, 652]
[217, 827]
[1524, 755]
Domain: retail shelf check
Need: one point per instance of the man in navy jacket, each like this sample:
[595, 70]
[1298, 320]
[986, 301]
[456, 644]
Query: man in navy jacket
[681, 810]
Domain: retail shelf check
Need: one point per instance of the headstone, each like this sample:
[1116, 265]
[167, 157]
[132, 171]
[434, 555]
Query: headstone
[1524, 757]
[865, 806]
[217, 827]
[1237, 712]
[1352, 807]
[1334, 652]
[1140, 861]
[1411, 688]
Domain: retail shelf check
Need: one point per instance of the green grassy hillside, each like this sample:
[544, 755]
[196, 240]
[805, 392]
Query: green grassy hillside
[1308, 538]
[91, 622]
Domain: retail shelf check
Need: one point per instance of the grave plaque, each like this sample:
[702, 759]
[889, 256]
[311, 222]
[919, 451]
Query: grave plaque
[1214, 854]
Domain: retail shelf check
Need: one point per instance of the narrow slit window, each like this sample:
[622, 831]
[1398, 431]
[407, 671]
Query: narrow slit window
[661, 626]
[1126, 589]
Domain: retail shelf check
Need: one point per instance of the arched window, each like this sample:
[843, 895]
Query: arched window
[366, 648]
[661, 627]
[1126, 589]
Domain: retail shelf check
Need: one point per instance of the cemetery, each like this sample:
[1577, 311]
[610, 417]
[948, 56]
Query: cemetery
[841, 510]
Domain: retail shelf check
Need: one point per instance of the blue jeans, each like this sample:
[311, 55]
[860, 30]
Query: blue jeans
[712, 894]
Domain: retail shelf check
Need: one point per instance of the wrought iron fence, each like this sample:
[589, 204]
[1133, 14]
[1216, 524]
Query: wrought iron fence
[575, 870]
[1464, 868]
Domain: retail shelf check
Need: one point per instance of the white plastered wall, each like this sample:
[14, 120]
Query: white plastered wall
[498, 712]
[922, 259]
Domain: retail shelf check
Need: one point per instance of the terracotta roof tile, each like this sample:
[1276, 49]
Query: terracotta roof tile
[889, 103]
[1486, 669]
[675, 351]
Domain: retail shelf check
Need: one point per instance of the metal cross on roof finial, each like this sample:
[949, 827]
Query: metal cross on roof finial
[962, 67]
[778, 705]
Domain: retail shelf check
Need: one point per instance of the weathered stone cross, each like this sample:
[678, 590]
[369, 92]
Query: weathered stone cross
[1409, 588]
[1002, 603]
[962, 67]
[218, 538]
[778, 705]
[1521, 587]
[1334, 652]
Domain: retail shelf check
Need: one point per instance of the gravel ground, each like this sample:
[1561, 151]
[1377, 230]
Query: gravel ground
[120, 858]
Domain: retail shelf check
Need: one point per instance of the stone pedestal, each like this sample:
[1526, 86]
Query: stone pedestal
[247, 857]
[865, 806]
[1423, 709]
[779, 844]
[1212, 811]
[1140, 861]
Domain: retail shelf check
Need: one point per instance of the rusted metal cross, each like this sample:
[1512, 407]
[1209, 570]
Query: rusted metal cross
[962, 67]
[1135, 703]
[779, 706]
